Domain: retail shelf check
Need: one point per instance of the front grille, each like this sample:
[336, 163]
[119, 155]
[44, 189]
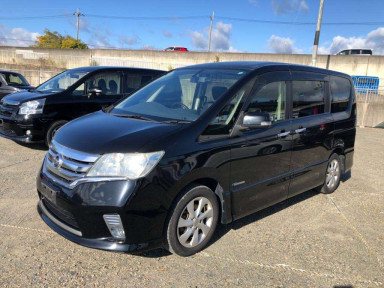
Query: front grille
[61, 214]
[8, 109]
[66, 165]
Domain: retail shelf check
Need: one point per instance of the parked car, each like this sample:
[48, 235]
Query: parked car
[365, 52]
[200, 145]
[36, 115]
[176, 49]
[11, 82]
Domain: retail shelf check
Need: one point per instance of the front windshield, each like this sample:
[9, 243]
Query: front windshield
[181, 95]
[61, 81]
[14, 79]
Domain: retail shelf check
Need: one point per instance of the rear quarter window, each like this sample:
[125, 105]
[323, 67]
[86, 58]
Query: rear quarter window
[340, 93]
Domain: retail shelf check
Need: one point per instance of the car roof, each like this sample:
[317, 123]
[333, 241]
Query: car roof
[5, 71]
[96, 68]
[255, 65]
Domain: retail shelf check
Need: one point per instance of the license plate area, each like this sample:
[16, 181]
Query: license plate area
[48, 193]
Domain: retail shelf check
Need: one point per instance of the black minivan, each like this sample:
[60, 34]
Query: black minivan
[35, 115]
[200, 145]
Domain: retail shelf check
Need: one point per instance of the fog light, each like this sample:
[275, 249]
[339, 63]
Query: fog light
[28, 133]
[115, 226]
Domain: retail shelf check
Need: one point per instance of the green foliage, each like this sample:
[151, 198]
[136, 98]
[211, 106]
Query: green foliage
[56, 40]
[217, 59]
[170, 67]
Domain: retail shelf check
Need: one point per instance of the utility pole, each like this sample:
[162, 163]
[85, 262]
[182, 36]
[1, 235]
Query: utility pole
[77, 14]
[317, 34]
[210, 31]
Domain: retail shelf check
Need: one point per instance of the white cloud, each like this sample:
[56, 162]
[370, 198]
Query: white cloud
[221, 38]
[289, 6]
[167, 34]
[373, 40]
[129, 40]
[282, 45]
[16, 36]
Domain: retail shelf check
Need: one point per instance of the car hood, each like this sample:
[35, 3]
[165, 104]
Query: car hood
[101, 133]
[22, 87]
[23, 96]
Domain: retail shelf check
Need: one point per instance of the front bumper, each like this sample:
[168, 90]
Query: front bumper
[15, 127]
[77, 214]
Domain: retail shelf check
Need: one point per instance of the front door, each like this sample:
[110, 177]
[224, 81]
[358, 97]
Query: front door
[312, 128]
[260, 158]
[110, 85]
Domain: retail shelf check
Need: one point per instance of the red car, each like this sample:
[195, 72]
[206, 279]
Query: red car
[176, 49]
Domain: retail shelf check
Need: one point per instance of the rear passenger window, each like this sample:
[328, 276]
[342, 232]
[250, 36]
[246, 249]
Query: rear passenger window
[135, 81]
[308, 98]
[341, 93]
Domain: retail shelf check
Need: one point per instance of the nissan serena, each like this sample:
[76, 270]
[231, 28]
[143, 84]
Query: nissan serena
[201, 145]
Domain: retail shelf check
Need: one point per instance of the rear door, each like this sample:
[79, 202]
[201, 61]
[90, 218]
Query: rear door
[260, 158]
[312, 130]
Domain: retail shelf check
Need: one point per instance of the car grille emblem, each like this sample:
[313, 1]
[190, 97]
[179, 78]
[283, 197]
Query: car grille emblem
[58, 161]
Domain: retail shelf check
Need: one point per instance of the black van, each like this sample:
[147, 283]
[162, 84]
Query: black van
[200, 145]
[35, 115]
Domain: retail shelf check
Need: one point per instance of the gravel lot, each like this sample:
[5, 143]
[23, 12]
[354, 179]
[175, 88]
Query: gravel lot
[311, 240]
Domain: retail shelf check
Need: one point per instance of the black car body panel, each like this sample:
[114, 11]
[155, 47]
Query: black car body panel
[65, 105]
[248, 169]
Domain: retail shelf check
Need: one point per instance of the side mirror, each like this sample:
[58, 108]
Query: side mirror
[94, 92]
[253, 120]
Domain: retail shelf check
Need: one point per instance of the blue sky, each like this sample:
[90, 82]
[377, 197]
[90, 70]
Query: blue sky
[228, 34]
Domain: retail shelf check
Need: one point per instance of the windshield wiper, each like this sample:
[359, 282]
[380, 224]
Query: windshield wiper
[135, 117]
[176, 122]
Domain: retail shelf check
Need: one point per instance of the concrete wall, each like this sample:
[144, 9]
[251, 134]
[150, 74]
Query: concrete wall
[52, 59]
[38, 65]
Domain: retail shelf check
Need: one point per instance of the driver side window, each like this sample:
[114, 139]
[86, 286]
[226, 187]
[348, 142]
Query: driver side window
[224, 121]
[108, 82]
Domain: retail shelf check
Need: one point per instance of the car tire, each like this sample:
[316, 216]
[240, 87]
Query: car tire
[192, 221]
[52, 130]
[332, 175]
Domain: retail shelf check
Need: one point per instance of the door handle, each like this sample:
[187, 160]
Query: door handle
[283, 134]
[300, 130]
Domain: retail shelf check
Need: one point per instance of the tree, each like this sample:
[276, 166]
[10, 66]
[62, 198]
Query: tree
[56, 40]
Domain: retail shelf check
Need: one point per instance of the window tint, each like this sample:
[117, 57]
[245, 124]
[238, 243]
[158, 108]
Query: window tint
[14, 79]
[108, 83]
[270, 98]
[369, 52]
[355, 51]
[341, 92]
[135, 81]
[308, 98]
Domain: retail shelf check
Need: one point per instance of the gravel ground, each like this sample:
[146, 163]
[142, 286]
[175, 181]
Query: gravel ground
[311, 240]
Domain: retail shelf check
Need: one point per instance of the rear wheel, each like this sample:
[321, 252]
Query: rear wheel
[332, 175]
[52, 130]
[192, 221]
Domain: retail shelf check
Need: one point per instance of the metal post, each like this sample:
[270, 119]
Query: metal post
[210, 31]
[77, 14]
[317, 34]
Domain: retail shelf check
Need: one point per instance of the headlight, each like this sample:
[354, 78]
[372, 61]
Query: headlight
[32, 107]
[132, 165]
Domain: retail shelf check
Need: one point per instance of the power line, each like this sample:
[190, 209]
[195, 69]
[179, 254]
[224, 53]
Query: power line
[295, 22]
[148, 17]
[33, 17]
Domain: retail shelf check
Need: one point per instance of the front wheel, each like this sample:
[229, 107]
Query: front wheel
[52, 130]
[332, 175]
[192, 221]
